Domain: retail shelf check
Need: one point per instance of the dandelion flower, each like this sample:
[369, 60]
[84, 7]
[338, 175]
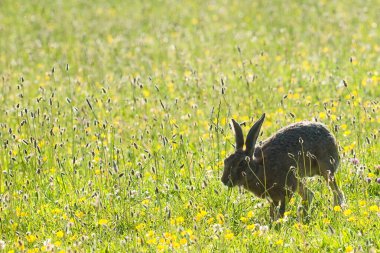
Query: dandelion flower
[229, 235]
[103, 222]
[60, 234]
[347, 212]
[349, 249]
[337, 208]
[374, 208]
[31, 238]
[251, 227]
[183, 241]
[280, 242]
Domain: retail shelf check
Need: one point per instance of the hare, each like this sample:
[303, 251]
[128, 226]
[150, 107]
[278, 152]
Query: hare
[274, 170]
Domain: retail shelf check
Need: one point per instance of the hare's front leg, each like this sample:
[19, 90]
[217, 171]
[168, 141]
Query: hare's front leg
[273, 210]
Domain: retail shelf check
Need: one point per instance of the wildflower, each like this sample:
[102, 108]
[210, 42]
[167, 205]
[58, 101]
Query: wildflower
[374, 208]
[176, 245]
[229, 235]
[347, 212]
[2, 244]
[200, 215]
[56, 211]
[220, 218]
[251, 227]
[48, 246]
[210, 221]
[354, 161]
[151, 241]
[139, 226]
[20, 213]
[250, 214]
[103, 222]
[145, 202]
[183, 241]
[371, 175]
[264, 228]
[160, 247]
[326, 221]
[244, 219]
[79, 214]
[337, 208]
[349, 249]
[31, 238]
[60, 234]
[177, 221]
[280, 242]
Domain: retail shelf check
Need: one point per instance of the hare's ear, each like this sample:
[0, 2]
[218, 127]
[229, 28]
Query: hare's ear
[253, 135]
[238, 135]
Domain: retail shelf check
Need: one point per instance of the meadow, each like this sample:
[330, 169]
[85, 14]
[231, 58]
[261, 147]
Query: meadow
[114, 122]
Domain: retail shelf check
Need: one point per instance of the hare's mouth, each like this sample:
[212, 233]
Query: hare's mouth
[228, 183]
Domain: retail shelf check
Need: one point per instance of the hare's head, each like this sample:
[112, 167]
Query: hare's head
[237, 164]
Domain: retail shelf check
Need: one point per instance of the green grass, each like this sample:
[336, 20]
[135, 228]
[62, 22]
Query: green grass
[115, 122]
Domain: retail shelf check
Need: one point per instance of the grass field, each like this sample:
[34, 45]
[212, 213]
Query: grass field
[114, 122]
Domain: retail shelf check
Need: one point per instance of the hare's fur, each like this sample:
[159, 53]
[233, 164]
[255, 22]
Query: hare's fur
[275, 168]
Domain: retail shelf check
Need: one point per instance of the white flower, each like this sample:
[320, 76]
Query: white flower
[2, 244]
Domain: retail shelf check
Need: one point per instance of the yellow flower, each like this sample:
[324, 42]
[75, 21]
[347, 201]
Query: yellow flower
[31, 238]
[243, 219]
[347, 212]
[337, 208]
[280, 242]
[188, 232]
[251, 227]
[79, 214]
[145, 202]
[362, 203]
[210, 221]
[371, 175]
[179, 220]
[60, 234]
[322, 115]
[56, 211]
[103, 222]
[183, 241]
[140, 226]
[220, 218]
[250, 214]
[160, 247]
[200, 215]
[229, 235]
[176, 245]
[326, 221]
[349, 249]
[374, 208]
[152, 241]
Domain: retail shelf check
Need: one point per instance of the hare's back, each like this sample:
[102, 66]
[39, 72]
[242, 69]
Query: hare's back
[305, 136]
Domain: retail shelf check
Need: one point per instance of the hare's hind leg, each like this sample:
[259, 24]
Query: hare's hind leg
[307, 197]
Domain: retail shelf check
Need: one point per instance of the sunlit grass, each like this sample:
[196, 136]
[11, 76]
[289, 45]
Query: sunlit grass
[115, 122]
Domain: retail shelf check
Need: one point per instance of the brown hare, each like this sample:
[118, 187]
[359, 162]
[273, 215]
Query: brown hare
[274, 170]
